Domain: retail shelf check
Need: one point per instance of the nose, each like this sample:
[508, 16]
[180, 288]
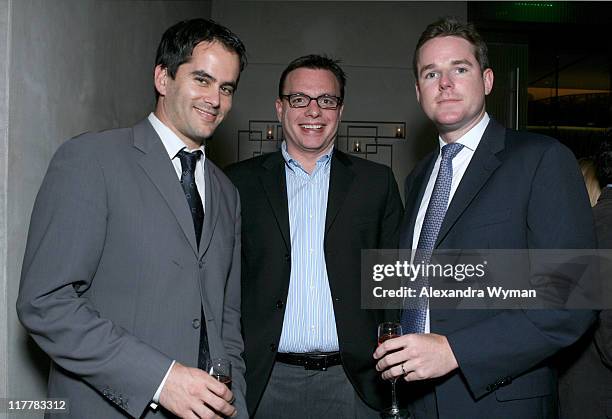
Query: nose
[313, 109]
[445, 81]
[213, 97]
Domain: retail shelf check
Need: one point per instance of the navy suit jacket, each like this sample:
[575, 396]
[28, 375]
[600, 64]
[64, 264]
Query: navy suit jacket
[519, 191]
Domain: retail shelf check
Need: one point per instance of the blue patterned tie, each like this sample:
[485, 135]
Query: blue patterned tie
[413, 319]
[188, 164]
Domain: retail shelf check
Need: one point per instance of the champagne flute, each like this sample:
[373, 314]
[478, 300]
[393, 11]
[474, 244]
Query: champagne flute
[386, 331]
[221, 370]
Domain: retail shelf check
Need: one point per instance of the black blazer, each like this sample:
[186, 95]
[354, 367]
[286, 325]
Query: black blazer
[519, 191]
[364, 210]
[585, 379]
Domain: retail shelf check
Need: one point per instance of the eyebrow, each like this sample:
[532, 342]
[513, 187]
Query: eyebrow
[454, 62]
[204, 74]
[466, 62]
[313, 97]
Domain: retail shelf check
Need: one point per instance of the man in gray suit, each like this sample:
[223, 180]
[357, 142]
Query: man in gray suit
[131, 273]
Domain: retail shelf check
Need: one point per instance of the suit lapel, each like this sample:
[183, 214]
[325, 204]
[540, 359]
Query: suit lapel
[211, 213]
[274, 185]
[340, 179]
[481, 167]
[158, 167]
[414, 198]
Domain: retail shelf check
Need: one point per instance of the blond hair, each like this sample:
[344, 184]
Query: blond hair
[587, 167]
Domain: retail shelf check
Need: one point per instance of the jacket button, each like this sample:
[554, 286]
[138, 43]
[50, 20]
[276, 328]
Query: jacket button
[273, 347]
[504, 381]
[490, 388]
[287, 257]
[195, 323]
[200, 264]
[280, 304]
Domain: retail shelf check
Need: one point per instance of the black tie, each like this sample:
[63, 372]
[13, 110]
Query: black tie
[188, 164]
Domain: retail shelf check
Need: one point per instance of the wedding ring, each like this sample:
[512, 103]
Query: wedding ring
[403, 370]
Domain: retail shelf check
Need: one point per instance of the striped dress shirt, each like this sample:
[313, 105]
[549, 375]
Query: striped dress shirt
[309, 324]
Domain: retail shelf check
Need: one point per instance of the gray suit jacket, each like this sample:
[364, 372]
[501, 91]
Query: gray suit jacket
[113, 282]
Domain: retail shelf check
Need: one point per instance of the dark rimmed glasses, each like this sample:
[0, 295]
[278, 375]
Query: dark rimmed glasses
[300, 100]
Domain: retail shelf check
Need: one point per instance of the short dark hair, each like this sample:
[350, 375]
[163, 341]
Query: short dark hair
[179, 40]
[450, 26]
[603, 162]
[317, 62]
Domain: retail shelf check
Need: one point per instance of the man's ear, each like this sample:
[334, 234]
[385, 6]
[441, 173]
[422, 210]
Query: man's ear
[487, 77]
[161, 79]
[340, 112]
[417, 91]
[278, 104]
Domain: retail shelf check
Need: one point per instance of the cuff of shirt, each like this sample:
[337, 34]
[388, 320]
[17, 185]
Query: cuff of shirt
[155, 401]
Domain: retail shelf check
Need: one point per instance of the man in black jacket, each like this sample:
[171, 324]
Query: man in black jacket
[307, 211]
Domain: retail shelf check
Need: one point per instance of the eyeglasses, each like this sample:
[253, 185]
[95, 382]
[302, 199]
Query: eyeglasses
[300, 100]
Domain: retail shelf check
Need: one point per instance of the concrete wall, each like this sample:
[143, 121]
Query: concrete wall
[375, 41]
[73, 66]
[4, 92]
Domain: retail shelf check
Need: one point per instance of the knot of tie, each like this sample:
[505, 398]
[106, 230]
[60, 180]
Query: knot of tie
[449, 151]
[189, 160]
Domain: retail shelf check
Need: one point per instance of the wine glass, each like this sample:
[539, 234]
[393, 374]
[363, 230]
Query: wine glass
[386, 331]
[221, 370]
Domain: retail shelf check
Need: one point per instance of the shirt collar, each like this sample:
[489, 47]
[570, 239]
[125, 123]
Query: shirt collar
[472, 138]
[172, 143]
[291, 162]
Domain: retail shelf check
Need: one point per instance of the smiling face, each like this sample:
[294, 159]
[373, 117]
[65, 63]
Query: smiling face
[451, 87]
[309, 131]
[195, 102]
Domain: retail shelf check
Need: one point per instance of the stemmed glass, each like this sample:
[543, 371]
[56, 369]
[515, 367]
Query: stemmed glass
[386, 331]
[221, 370]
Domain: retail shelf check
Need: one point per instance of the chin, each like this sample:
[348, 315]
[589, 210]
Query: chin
[449, 120]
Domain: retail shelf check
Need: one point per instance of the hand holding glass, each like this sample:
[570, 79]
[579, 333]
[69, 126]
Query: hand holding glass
[386, 331]
[221, 370]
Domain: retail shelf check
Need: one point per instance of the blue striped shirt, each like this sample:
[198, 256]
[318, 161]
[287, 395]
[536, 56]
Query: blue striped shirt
[309, 324]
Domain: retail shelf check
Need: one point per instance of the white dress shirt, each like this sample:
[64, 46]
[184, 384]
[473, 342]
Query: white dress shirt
[470, 141]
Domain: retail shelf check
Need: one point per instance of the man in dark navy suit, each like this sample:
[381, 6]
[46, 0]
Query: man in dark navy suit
[486, 187]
